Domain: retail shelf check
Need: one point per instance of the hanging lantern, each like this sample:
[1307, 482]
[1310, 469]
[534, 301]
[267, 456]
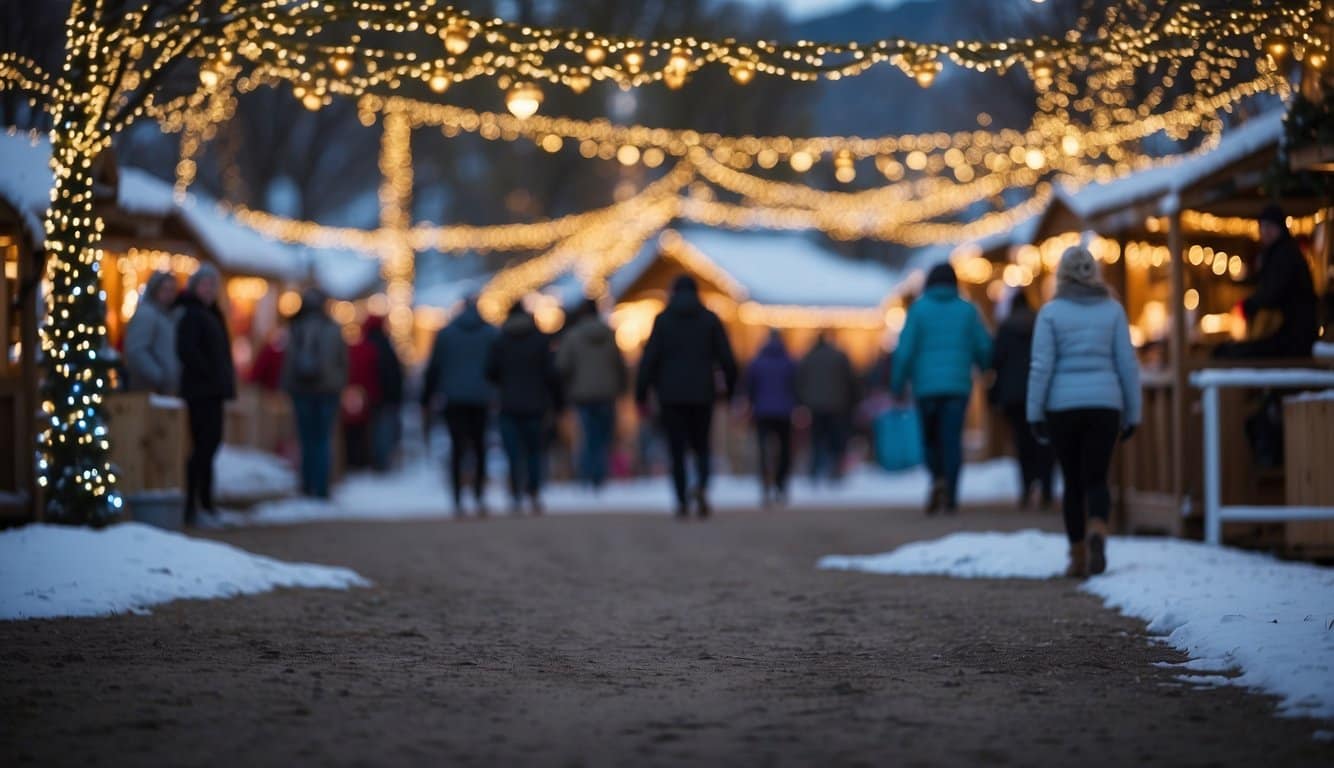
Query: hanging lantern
[439, 80]
[457, 39]
[341, 64]
[924, 72]
[579, 83]
[844, 166]
[1278, 49]
[523, 100]
[742, 73]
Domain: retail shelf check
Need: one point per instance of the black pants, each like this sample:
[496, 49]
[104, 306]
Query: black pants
[768, 430]
[467, 435]
[1084, 439]
[1036, 462]
[687, 427]
[205, 436]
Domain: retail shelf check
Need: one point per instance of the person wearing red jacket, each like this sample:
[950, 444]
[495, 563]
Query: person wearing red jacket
[360, 399]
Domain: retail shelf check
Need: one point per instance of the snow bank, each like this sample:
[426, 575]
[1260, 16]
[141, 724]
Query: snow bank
[1270, 622]
[48, 571]
[245, 475]
[420, 491]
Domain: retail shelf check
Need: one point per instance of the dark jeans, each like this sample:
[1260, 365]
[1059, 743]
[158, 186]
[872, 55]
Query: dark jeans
[687, 426]
[942, 436]
[357, 444]
[521, 435]
[385, 426]
[205, 416]
[829, 438]
[315, 415]
[596, 423]
[1036, 463]
[1084, 439]
[767, 431]
[467, 436]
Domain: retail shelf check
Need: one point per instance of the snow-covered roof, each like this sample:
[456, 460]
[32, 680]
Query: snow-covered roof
[1171, 178]
[25, 183]
[779, 268]
[25, 179]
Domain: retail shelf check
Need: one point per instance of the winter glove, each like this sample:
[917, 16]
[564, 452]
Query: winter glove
[1039, 430]
[1128, 431]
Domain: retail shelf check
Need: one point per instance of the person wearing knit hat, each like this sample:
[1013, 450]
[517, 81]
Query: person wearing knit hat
[1083, 392]
[943, 340]
[1284, 289]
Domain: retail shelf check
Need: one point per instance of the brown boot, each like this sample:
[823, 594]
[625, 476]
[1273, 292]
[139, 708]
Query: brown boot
[1078, 567]
[1097, 546]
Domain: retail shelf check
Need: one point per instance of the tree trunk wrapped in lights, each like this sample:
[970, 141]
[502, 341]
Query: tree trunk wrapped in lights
[73, 447]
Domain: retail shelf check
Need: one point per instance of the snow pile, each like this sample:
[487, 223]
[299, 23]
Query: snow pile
[421, 491]
[48, 571]
[244, 475]
[1269, 621]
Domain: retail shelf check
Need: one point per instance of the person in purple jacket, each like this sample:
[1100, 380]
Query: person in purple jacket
[771, 385]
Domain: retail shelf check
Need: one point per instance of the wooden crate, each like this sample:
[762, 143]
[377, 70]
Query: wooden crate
[149, 441]
[1308, 443]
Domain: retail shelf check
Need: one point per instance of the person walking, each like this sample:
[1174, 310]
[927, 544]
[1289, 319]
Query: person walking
[150, 338]
[207, 381]
[1284, 299]
[828, 387]
[315, 371]
[771, 387]
[1009, 394]
[386, 416]
[942, 341]
[359, 400]
[1083, 393]
[685, 352]
[456, 382]
[523, 369]
[594, 375]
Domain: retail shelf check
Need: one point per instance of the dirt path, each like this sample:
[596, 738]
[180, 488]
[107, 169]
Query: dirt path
[620, 640]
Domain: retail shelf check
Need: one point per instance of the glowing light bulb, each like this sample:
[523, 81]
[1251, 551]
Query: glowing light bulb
[439, 81]
[457, 39]
[595, 54]
[341, 65]
[742, 73]
[634, 61]
[523, 100]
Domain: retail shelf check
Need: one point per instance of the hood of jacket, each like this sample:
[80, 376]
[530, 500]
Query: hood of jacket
[593, 331]
[469, 319]
[685, 303]
[520, 324]
[941, 292]
[774, 349]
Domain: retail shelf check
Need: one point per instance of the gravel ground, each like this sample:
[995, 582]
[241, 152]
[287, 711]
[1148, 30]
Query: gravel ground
[625, 640]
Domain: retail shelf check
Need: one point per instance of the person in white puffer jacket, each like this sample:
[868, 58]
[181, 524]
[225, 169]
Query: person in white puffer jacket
[1083, 393]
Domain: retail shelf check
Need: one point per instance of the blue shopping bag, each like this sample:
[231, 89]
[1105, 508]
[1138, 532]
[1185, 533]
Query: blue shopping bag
[898, 439]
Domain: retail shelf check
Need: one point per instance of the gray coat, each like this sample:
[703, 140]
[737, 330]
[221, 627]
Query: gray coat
[1082, 358]
[315, 362]
[825, 380]
[590, 364]
[150, 349]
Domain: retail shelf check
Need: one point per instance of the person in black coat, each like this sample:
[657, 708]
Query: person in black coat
[1011, 355]
[208, 380]
[686, 351]
[521, 365]
[1283, 284]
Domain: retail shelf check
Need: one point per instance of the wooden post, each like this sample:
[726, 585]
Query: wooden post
[1120, 279]
[1177, 352]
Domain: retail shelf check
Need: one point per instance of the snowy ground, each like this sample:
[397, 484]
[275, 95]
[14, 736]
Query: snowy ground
[1254, 620]
[420, 491]
[246, 475]
[48, 571]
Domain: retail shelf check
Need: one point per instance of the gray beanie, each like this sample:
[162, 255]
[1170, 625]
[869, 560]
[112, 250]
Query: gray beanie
[204, 272]
[1079, 267]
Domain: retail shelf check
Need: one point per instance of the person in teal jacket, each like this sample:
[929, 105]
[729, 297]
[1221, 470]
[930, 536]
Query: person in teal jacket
[942, 341]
